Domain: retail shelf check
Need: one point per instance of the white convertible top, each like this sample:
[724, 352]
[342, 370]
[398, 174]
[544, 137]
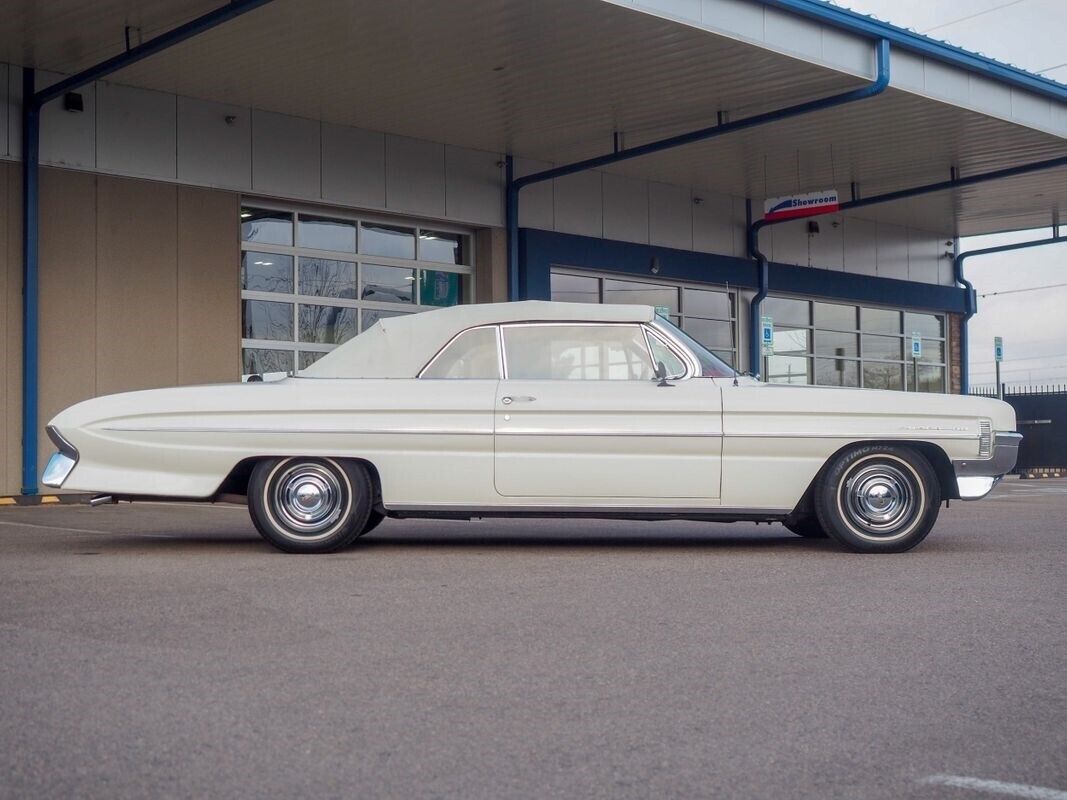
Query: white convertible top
[399, 347]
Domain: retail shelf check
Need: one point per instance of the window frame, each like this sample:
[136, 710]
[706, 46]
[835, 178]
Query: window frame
[357, 258]
[499, 355]
[680, 317]
[902, 335]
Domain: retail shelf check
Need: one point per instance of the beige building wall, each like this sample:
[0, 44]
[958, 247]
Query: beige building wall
[10, 327]
[139, 289]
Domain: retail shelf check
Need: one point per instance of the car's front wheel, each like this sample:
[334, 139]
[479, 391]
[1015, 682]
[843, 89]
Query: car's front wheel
[309, 505]
[878, 498]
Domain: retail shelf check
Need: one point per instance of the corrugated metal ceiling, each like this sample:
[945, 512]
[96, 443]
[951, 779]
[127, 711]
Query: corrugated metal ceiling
[552, 80]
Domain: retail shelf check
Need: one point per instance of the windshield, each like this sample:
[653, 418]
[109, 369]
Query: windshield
[711, 366]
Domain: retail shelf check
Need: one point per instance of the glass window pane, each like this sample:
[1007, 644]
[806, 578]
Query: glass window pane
[266, 227]
[933, 351]
[575, 288]
[309, 357]
[387, 240]
[705, 303]
[322, 233]
[323, 277]
[880, 320]
[577, 352]
[828, 343]
[261, 319]
[326, 324]
[883, 376]
[886, 347]
[259, 361]
[931, 379]
[788, 340]
[831, 315]
[473, 355]
[648, 294]
[837, 372]
[925, 324]
[785, 311]
[446, 248]
[387, 284]
[372, 315]
[662, 354]
[788, 369]
[713, 334]
[726, 358]
[266, 272]
[440, 288]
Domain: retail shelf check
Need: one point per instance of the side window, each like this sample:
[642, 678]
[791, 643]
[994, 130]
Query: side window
[577, 352]
[660, 352]
[472, 356]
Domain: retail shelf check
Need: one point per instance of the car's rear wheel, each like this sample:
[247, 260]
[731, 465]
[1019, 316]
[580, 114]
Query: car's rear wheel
[807, 526]
[309, 505]
[878, 498]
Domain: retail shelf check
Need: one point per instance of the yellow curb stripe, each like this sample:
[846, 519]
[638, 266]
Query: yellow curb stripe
[49, 498]
[7, 501]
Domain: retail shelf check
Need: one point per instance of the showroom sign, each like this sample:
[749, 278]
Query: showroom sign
[800, 205]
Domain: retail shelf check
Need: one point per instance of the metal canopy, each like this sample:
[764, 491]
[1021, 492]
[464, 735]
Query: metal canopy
[555, 79]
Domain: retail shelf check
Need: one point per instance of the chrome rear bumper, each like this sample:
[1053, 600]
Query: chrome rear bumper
[976, 477]
[60, 464]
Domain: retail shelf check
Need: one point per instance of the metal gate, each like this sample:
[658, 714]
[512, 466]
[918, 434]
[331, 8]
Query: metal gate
[1041, 412]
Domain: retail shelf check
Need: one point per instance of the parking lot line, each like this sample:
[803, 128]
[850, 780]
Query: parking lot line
[49, 527]
[997, 787]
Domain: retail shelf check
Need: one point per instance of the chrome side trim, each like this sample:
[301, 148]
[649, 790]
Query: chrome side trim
[857, 436]
[330, 431]
[613, 434]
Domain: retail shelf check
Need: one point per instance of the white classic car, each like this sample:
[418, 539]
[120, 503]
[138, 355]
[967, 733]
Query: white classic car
[539, 409]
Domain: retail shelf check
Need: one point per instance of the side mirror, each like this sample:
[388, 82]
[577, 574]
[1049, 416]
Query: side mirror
[661, 373]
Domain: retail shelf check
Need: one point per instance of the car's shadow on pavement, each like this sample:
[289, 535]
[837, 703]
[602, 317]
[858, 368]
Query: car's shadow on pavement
[384, 540]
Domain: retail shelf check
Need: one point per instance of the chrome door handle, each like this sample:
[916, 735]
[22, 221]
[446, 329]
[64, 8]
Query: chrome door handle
[519, 398]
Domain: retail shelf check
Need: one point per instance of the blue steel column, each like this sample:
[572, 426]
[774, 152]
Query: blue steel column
[31, 137]
[972, 299]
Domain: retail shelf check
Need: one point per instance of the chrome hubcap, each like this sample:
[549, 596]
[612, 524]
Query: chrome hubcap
[880, 499]
[308, 498]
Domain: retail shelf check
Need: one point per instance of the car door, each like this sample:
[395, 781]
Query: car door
[580, 415]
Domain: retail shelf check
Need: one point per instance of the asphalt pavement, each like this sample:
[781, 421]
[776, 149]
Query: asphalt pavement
[166, 651]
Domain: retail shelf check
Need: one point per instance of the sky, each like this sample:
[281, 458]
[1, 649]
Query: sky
[1031, 34]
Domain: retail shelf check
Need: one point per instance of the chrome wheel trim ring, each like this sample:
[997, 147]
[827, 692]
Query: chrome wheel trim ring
[307, 500]
[881, 498]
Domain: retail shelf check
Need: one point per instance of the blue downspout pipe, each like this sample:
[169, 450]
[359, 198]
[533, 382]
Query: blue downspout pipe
[515, 185]
[972, 298]
[930, 188]
[511, 221]
[32, 102]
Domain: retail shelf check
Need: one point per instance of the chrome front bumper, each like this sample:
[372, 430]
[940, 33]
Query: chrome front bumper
[976, 477]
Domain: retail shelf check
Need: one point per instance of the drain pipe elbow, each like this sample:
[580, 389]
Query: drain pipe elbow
[763, 281]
